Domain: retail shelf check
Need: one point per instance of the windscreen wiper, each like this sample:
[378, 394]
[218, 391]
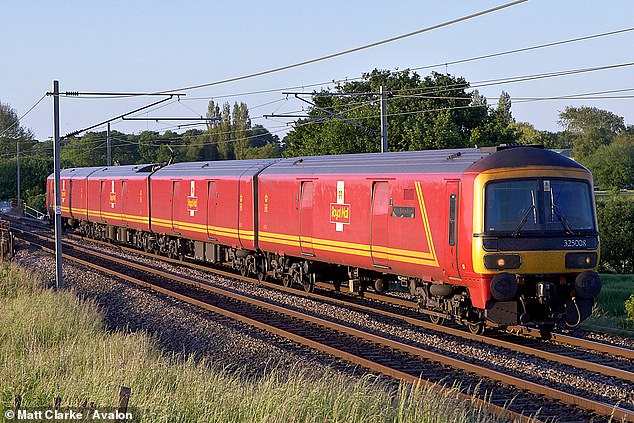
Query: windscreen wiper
[562, 219]
[532, 208]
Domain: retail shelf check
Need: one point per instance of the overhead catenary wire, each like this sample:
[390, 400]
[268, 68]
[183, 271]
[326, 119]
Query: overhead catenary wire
[6, 130]
[116, 118]
[584, 96]
[596, 95]
[484, 56]
[349, 51]
[451, 62]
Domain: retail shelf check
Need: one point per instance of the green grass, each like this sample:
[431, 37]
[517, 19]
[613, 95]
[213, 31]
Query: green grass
[609, 311]
[54, 344]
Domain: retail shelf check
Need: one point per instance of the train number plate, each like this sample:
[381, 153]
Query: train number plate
[575, 243]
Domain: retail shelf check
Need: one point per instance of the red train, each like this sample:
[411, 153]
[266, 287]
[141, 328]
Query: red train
[504, 235]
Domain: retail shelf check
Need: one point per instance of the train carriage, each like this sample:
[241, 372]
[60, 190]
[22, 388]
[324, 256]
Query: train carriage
[73, 192]
[386, 215]
[202, 204]
[118, 200]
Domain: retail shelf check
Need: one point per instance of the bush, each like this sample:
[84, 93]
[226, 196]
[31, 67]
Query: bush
[616, 226]
[629, 309]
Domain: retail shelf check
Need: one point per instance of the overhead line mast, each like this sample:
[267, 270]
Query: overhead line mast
[58, 203]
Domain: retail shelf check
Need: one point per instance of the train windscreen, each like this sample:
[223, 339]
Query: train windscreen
[524, 206]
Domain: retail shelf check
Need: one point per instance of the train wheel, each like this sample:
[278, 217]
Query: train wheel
[381, 285]
[287, 281]
[308, 286]
[263, 267]
[309, 282]
[437, 320]
[476, 328]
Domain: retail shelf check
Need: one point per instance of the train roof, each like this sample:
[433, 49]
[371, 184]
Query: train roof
[214, 168]
[143, 170]
[106, 171]
[429, 161]
[76, 172]
[454, 161]
[521, 157]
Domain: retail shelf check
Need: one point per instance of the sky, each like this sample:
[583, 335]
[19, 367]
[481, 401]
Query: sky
[150, 46]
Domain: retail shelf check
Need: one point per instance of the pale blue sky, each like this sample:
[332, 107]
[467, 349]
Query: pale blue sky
[159, 45]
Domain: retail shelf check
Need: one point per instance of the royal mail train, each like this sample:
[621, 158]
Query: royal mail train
[502, 236]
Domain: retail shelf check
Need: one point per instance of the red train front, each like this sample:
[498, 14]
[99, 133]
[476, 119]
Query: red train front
[506, 236]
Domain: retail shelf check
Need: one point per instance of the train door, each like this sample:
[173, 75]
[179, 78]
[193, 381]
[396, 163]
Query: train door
[102, 197]
[379, 224]
[70, 197]
[174, 205]
[122, 205]
[452, 198]
[306, 218]
[212, 204]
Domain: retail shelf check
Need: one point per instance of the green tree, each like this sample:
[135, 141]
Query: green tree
[613, 165]
[231, 136]
[241, 123]
[496, 127]
[525, 133]
[11, 131]
[616, 226]
[558, 140]
[428, 113]
[223, 131]
[85, 151]
[590, 128]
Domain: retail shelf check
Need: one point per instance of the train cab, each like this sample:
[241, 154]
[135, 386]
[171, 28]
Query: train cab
[535, 237]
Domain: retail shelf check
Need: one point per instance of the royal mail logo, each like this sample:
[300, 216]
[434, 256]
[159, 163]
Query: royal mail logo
[113, 195]
[192, 199]
[340, 213]
[192, 203]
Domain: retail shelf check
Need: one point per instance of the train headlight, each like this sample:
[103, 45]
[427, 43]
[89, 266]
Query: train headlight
[581, 260]
[502, 261]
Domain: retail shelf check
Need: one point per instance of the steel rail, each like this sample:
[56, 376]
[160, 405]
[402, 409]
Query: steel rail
[581, 343]
[597, 406]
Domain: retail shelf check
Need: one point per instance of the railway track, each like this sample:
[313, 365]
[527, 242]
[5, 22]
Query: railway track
[387, 356]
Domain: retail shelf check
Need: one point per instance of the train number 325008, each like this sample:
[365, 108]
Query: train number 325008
[574, 243]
